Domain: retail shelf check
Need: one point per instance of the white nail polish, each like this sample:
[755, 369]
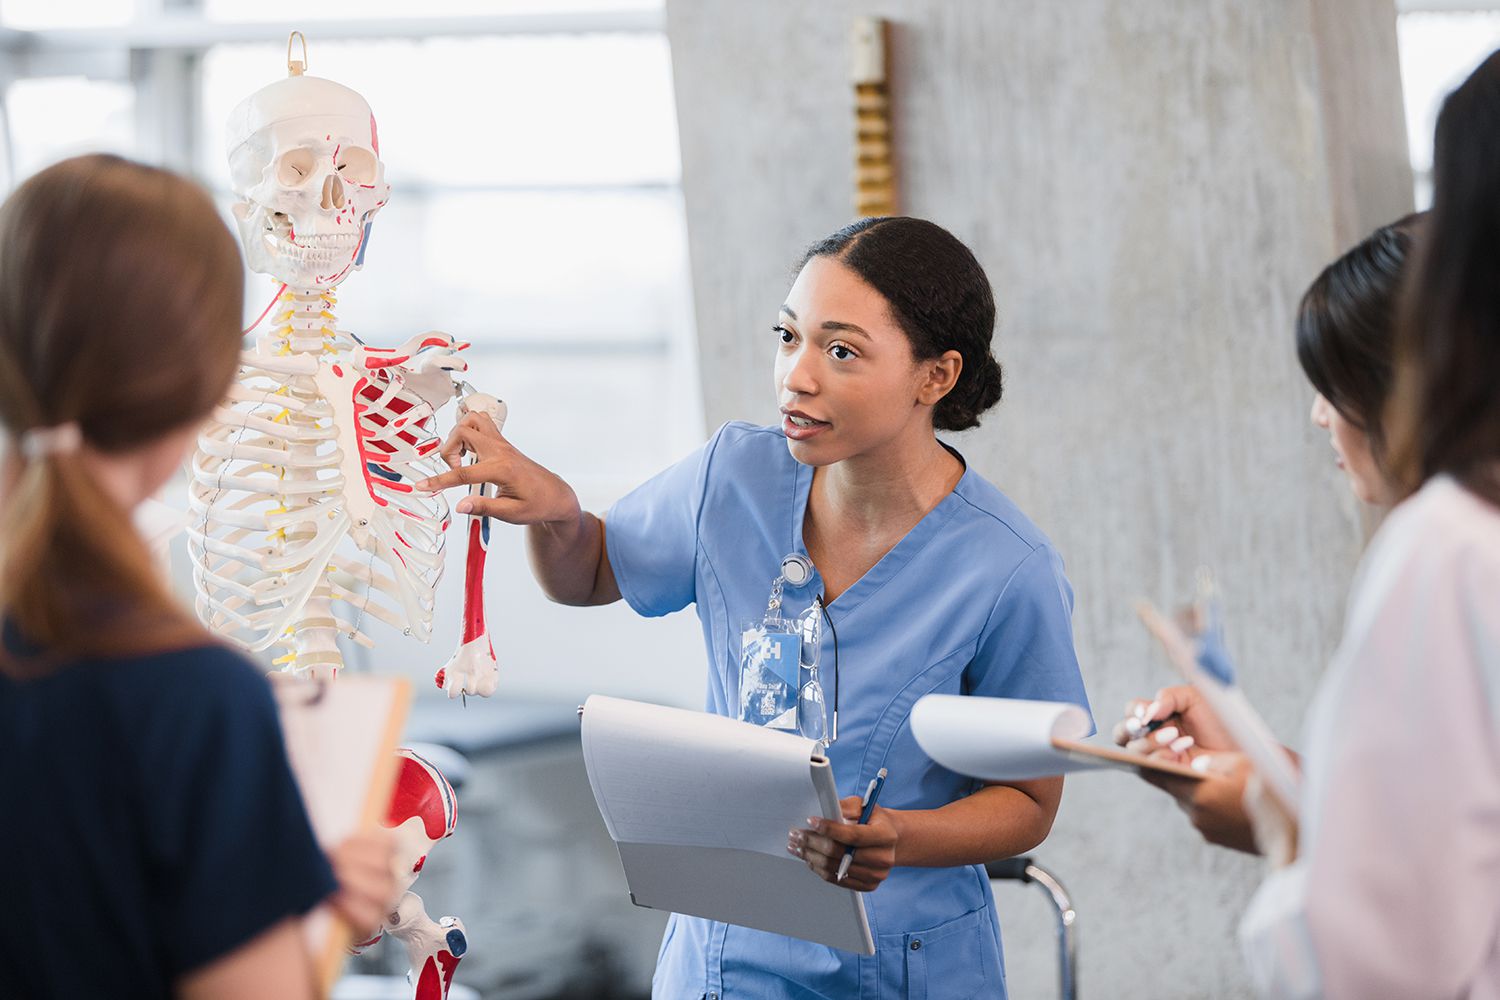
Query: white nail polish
[1133, 726]
[1180, 744]
[1202, 763]
[1165, 736]
[1152, 709]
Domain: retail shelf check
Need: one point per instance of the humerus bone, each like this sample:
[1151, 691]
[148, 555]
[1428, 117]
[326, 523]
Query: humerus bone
[473, 668]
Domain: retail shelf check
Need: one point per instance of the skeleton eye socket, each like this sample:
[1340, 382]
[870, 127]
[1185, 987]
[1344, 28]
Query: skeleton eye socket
[294, 166]
[356, 165]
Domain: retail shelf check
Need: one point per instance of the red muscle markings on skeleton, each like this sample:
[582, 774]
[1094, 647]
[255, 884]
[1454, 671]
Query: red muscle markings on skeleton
[304, 523]
[423, 811]
[473, 669]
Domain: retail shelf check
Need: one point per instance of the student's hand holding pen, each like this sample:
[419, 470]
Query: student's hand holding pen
[822, 846]
[1177, 723]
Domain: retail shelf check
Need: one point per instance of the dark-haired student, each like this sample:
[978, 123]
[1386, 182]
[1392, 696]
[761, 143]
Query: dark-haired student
[155, 842]
[1393, 889]
[1389, 884]
[1346, 342]
[934, 582]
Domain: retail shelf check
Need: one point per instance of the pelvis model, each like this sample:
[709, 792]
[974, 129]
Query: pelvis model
[304, 523]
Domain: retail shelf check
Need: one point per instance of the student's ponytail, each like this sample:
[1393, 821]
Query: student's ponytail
[75, 575]
[120, 305]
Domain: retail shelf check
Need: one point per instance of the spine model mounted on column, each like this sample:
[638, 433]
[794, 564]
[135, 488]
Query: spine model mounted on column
[874, 165]
[304, 523]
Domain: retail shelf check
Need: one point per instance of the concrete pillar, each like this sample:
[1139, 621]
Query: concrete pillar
[1150, 186]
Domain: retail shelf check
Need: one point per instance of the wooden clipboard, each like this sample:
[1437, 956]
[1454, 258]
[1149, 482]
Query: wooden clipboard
[1096, 752]
[341, 739]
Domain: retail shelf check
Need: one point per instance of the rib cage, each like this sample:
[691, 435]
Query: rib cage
[301, 497]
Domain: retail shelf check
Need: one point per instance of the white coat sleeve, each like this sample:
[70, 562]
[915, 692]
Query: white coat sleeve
[1396, 892]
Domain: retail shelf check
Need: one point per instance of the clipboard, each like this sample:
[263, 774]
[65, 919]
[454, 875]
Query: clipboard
[699, 806]
[1193, 655]
[1011, 739]
[341, 739]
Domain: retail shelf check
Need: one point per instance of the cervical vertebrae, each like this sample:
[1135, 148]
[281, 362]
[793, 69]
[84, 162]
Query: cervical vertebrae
[319, 441]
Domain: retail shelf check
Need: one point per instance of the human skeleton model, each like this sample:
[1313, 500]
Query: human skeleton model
[301, 493]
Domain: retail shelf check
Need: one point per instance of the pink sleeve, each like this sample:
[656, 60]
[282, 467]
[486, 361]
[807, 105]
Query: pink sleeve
[1397, 890]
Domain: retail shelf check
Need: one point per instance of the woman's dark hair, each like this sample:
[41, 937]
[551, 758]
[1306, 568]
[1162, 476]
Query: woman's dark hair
[938, 295]
[121, 295]
[1346, 327]
[1445, 415]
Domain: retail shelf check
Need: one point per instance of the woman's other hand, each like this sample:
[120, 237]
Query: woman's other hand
[526, 493]
[822, 846]
[364, 865]
[1186, 716]
[1216, 804]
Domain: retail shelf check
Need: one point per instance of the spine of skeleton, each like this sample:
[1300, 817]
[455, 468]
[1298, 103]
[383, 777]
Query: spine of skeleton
[304, 324]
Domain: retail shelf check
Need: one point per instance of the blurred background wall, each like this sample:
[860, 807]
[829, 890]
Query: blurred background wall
[1150, 185]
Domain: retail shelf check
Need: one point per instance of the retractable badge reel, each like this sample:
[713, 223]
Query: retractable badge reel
[778, 683]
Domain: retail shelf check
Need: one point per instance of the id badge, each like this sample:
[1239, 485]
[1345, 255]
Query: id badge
[770, 667]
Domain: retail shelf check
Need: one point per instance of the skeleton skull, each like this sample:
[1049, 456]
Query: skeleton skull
[304, 160]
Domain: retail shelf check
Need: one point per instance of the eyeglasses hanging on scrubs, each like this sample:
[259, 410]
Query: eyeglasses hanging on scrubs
[779, 686]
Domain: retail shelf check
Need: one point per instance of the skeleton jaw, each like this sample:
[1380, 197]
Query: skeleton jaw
[307, 259]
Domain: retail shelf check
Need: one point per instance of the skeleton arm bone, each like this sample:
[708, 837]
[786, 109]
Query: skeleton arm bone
[473, 669]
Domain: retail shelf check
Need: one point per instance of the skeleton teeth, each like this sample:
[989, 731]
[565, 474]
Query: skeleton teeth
[315, 247]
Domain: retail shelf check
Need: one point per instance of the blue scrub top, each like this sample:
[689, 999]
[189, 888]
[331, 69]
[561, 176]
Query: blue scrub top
[971, 601]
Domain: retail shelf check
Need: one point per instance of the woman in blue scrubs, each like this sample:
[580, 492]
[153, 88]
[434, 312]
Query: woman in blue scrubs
[933, 580]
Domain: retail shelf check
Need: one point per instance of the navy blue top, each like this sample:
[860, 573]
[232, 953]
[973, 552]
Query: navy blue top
[973, 600]
[149, 823]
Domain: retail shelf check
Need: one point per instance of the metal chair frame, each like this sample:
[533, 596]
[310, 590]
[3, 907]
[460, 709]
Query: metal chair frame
[1026, 870]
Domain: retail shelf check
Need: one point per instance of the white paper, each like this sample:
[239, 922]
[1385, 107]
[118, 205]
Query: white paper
[700, 805]
[1001, 739]
[670, 776]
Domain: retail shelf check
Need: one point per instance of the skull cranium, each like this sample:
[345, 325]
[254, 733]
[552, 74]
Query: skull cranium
[304, 161]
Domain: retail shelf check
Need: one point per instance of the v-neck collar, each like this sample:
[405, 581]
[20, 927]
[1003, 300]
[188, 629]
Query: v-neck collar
[893, 561]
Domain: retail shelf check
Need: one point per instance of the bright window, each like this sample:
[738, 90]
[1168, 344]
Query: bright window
[51, 118]
[1438, 50]
[536, 212]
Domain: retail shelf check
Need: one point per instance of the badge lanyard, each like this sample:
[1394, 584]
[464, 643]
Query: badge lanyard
[779, 684]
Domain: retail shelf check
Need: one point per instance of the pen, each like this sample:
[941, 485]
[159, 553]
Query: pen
[1147, 728]
[871, 794]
